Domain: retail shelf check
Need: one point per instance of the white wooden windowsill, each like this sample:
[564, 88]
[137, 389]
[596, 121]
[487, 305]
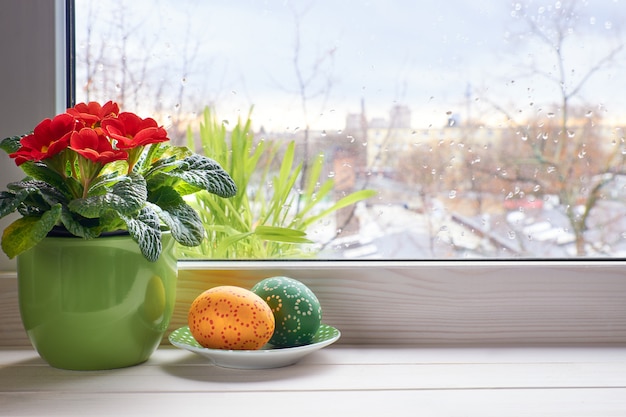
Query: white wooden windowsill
[336, 381]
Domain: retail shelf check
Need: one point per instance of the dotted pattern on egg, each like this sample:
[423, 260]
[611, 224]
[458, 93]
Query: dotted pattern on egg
[229, 317]
[296, 309]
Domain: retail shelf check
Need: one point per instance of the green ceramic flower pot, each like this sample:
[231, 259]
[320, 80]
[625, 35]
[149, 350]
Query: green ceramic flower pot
[95, 304]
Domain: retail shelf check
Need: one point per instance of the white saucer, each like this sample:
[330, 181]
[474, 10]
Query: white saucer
[264, 358]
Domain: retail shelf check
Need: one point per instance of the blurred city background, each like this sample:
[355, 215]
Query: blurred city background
[487, 129]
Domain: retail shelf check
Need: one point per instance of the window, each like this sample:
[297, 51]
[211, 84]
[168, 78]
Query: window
[486, 129]
[531, 301]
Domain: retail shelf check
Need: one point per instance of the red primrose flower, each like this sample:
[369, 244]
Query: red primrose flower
[49, 138]
[112, 134]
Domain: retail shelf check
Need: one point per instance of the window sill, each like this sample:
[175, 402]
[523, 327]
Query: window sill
[422, 303]
[339, 380]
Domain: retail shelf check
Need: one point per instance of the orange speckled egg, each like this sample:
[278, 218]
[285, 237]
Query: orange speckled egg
[229, 317]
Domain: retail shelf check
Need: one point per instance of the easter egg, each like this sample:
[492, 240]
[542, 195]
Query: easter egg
[297, 311]
[229, 317]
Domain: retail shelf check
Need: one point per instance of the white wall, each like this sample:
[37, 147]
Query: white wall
[29, 77]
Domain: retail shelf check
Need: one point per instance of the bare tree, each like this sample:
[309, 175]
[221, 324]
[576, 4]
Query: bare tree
[119, 60]
[561, 152]
[312, 82]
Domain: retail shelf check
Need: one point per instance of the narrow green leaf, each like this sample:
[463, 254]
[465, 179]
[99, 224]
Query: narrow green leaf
[283, 186]
[344, 202]
[316, 197]
[278, 231]
[281, 234]
[26, 232]
[285, 239]
[286, 166]
[230, 240]
[315, 171]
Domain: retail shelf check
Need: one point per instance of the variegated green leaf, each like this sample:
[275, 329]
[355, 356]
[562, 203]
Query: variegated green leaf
[26, 232]
[9, 202]
[125, 197]
[11, 144]
[205, 174]
[41, 172]
[145, 230]
[182, 220]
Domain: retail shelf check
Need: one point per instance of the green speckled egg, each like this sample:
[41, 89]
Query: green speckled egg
[297, 311]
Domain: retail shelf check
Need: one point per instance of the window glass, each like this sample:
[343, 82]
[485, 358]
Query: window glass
[382, 129]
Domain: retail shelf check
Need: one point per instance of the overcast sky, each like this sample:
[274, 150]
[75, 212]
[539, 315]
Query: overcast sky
[423, 54]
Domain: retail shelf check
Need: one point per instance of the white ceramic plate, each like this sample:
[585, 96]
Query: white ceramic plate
[264, 358]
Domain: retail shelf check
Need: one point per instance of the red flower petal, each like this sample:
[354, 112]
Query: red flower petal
[50, 137]
[90, 114]
[97, 148]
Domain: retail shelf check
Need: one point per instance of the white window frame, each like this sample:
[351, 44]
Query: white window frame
[434, 302]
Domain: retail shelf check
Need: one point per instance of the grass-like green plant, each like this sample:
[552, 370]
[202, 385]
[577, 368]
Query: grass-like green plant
[269, 216]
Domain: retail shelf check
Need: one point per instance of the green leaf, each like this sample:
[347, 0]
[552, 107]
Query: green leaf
[182, 219]
[205, 174]
[31, 198]
[146, 231]
[150, 156]
[34, 186]
[281, 234]
[42, 173]
[11, 144]
[344, 202]
[315, 171]
[75, 227]
[159, 159]
[125, 197]
[287, 164]
[9, 202]
[101, 183]
[48, 192]
[229, 240]
[315, 197]
[164, 164]
[26, 232]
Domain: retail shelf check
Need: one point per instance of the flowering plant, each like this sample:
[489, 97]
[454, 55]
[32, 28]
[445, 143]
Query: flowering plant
[94, 170]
